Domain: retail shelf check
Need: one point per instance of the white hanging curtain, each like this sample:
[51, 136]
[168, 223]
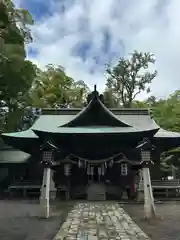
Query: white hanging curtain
[91, 171]
[88, 170]
[111, 163]
[124, 169]
[102, 170]
[99, 171]
[80, 163]
[67, 169]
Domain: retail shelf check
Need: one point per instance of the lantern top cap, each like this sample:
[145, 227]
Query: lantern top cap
[47, 146]
[145, 145]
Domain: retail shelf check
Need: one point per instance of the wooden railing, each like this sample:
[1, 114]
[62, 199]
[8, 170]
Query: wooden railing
[25, 187]
[161, 187]
[175, 183]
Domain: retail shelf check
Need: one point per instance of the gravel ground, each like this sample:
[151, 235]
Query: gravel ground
[166, 227]
[19, 220]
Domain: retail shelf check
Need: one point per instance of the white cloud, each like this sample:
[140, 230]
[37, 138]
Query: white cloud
[143, 25]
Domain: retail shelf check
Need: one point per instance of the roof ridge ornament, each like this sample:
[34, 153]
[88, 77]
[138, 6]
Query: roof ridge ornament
[95, 88]
[93, 94]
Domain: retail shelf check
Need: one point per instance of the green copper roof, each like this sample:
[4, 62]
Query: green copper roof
[24, 134]
[92, 130]
[138, 118]
[53, 118]
[95, 113]
[13, 156]
[162, 133]
[95, 118]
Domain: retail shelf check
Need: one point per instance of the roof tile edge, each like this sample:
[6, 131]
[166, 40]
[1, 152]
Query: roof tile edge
[116, 111]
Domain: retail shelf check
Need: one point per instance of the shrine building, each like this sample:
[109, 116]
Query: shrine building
[94, 153]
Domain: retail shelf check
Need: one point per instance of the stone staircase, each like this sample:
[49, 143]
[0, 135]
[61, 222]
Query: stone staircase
[96, 192]
[78, 191]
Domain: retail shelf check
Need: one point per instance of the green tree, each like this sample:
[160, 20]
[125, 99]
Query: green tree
[170, 162]
[166, 112]
[109, 100]
[139, 104]
[130, 76]
[151, 101]
[14, 23]
[16, 73]
[79, 94]
[53, 88]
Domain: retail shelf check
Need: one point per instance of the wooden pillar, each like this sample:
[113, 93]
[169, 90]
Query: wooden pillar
[132, 188]
[4, 172]
[67, 173]
[44, 196]
[124, 173]
[149, 207]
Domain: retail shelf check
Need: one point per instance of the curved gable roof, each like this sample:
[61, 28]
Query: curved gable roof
[95, 114]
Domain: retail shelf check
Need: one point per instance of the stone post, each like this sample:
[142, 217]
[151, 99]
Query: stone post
[140, 187]
[44, 196]
[53, 189]
[149, 207]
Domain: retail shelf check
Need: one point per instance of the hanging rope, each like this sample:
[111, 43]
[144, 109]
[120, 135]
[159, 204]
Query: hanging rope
[99, 161]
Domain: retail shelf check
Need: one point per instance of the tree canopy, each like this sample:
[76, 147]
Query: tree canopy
[166, 112]
[129, 77]
[53, 88]
[16, 73]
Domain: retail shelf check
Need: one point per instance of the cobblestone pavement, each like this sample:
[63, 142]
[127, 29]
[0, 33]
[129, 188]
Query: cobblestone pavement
[99, 221]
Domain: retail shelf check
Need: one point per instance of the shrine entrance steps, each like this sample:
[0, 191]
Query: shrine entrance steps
[95, 221]
[97, 192]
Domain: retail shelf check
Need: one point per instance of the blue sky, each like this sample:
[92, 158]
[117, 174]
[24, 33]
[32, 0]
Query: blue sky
[83, 36]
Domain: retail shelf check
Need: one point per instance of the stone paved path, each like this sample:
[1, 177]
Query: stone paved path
[99, 221]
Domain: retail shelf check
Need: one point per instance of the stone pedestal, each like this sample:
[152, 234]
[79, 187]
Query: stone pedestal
[140, 195]
[124, 195]
[44, 208]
